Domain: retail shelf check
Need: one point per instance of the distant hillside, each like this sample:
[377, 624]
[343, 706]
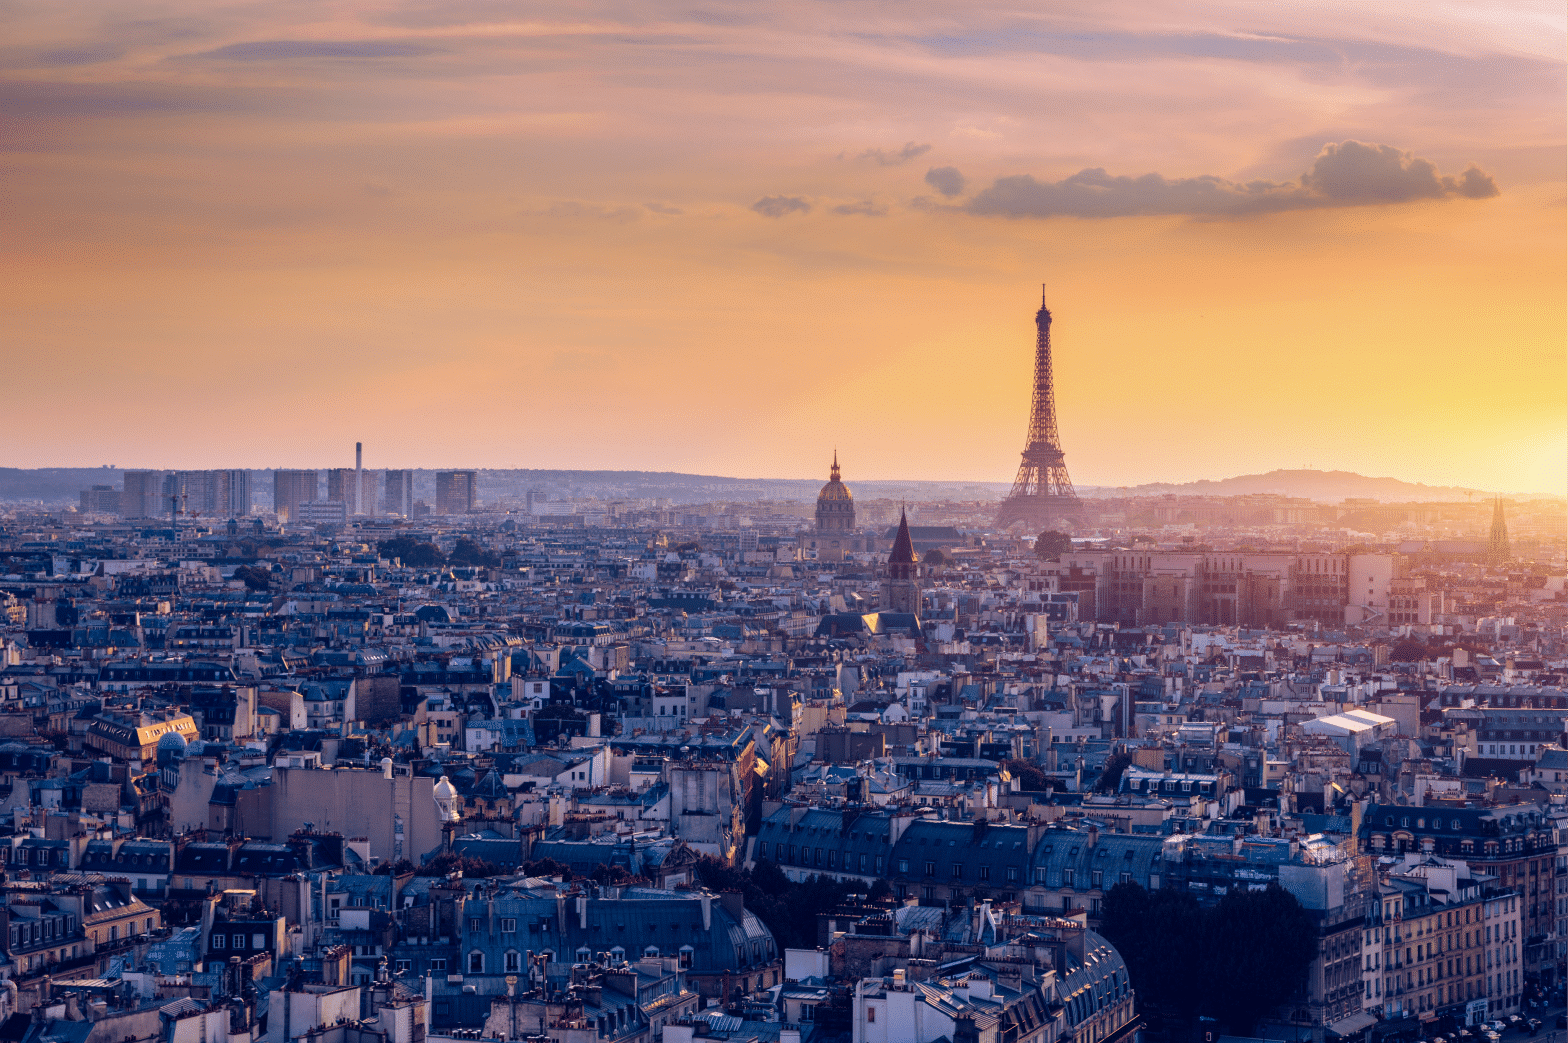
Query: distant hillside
[1323, 486]
[62, 485]
[59, 485]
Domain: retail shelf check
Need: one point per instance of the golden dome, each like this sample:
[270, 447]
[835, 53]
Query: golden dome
[835, 489]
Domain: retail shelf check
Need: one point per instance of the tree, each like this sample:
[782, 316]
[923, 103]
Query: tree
[789, 909]
[546, 867]
[413, 553]
[254, 577]
[472, 552]
[880, 891]
[1111, 777]
[452, 862]
[1256, 948]
[1408, 651]
[933, 558]
[1051, 545]
[1238, 959]
[1031, 778]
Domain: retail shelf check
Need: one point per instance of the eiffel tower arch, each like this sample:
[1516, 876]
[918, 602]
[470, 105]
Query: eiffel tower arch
[1042, 494]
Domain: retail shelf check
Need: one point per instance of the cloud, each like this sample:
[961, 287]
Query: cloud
[778, 206]
[893, 159]
[864, 208]
[665, 209]
[91, 55]
[572, 209]
[946, 180]
[274, 50]
[1350, 173]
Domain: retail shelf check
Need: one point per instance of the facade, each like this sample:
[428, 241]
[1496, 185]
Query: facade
[1248, 589]
[290, 489]
[133, 738]
[239, 493]
[1513, 845]
[1443, 942]
[143, 495]
[100, 499]
[456, 491]
[722, 950]
[835, 517]
[398, 494]
[322, 512]
[901, 587]
[343, 486]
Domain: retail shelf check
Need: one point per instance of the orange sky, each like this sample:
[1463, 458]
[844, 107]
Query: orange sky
[728, 237]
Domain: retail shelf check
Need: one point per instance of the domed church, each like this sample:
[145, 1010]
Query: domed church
[835, 517]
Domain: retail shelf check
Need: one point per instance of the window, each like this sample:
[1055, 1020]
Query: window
[508, 926]
[438, 964]
[258, 941]
[220, 941]
[871, 1014]
[473, 925]
[1067, 878]
[687, 952]
[958, 870]
[401, 966]
[903, 865]
[511, 961]
[476, 962]
[930, 869]
[985, 872]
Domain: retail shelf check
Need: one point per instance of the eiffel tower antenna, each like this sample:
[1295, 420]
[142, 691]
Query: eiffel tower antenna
[1042, 493]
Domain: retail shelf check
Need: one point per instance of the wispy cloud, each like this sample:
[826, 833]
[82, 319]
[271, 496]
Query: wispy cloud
[778, 206]
[1350, 173]
[897, 157]
[864, 208]
[282, 50]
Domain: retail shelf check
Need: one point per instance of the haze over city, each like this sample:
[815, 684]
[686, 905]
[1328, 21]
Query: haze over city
[728, 240]
[791, 522]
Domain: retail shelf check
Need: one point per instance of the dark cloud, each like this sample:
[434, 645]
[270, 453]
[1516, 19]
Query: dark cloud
[1349, 173]
[778, 206]
[664, 208]
[893, 159]
[276, 50]
[946, 180]
[864, 208]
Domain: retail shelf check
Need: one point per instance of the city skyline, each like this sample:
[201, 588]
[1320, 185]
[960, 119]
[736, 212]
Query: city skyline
[723, 243]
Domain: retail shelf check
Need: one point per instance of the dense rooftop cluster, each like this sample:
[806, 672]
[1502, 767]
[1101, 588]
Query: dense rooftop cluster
[582, 769]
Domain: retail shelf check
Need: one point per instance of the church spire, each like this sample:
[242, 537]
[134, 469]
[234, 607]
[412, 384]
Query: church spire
[1497, 549]
[903, 547]
[833, 475]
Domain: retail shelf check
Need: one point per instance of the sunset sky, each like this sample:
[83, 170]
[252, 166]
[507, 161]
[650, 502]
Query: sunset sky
[728, 237]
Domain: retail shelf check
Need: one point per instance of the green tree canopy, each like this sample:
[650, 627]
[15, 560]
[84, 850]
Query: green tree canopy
[1031, 777]
[1238, 960]
[1111, 777]
[411, 552]
[472, 552]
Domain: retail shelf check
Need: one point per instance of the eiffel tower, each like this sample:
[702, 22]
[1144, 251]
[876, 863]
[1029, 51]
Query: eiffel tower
[1042, 494]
